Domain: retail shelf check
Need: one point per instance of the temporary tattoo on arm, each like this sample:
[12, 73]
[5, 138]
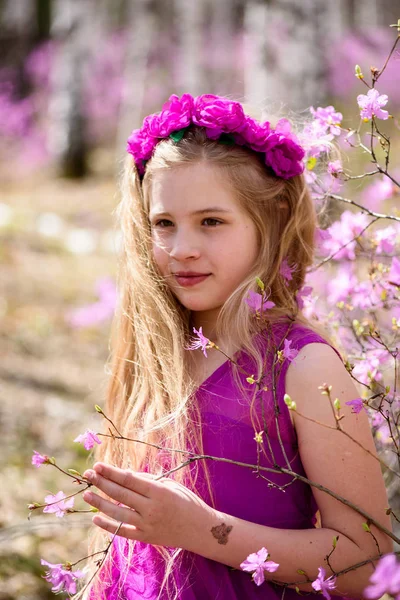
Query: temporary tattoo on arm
[221, 533]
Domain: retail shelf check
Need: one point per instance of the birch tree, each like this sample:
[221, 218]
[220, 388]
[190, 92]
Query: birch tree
[71, 28]
[190, 20]
[285, 63]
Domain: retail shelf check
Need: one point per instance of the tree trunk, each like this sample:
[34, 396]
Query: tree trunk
[141, 21]
[71, 27]
[190, 19]
[285, 58]
[221, 64]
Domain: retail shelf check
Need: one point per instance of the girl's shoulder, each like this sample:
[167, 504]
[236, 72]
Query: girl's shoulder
[290, 336]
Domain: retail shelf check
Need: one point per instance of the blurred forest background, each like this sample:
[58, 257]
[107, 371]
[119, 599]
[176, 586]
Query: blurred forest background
[76, 76]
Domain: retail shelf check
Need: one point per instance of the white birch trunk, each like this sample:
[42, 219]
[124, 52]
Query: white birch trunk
[141, 22]
[71, 26]
[221, 43]
[190, 20]
[285, 57]
[367, 14]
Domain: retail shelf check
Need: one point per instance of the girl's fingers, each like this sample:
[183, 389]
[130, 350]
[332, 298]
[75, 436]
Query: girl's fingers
[139, 483]
[119, 513]
[124, 530]
[117, 492]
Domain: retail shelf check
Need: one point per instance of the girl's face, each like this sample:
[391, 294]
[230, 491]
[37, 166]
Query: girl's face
[204, 243]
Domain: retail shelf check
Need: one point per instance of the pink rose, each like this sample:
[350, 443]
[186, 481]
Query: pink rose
[284, 156]
[253, 134]
[217, 114]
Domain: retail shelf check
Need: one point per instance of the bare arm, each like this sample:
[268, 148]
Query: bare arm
[331, 459]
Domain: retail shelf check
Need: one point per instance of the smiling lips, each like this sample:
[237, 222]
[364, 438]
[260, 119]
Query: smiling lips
[190, 278]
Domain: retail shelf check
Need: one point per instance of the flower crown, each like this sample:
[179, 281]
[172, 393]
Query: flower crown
[224, 120]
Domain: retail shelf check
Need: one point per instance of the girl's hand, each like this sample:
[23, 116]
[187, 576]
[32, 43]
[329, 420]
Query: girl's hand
[163, 512]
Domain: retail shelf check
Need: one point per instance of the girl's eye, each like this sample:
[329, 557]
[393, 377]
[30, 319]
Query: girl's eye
[158, 224]
[214, 221]
[165, 222]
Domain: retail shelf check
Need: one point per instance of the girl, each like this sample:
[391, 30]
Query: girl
[218, 229]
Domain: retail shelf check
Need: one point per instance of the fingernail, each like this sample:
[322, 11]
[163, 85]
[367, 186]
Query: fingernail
[87, 496]
[89, 475]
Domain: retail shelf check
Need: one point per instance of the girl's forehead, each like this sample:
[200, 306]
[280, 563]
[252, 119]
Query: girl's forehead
[191, 187]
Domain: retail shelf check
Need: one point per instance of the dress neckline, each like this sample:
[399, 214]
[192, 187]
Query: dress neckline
[215, 373]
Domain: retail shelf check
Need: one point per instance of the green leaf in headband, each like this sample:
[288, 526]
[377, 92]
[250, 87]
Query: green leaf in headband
[226, 138]
[178, 135]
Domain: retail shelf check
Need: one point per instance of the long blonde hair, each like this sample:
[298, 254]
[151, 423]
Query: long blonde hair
[151, 394]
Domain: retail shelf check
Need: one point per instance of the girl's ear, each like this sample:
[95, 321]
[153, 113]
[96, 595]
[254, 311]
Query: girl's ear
[283, 204]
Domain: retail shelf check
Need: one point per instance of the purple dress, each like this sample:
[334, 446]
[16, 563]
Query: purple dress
[228, 432]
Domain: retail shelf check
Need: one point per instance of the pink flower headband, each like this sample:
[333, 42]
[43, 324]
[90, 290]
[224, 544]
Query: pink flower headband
[223, 120]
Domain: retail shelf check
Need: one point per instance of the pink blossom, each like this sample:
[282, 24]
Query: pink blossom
[315, 139]
[341, 286]
[349, 226]
[377, 192]
[39, 459]
[321, 235]
[286, 270]
[258, 563]
[394, 273]
[200, 342]
[371, 105]
[88, 439]
[61, 577]
[335, 167]
[57, 504]
[304, 292]
[328, 118]
[103, 309]
[357, 405]
[385, 239]
[385, 579]
[324, 585]
[369, 366]
[288, 352]
[258, 302]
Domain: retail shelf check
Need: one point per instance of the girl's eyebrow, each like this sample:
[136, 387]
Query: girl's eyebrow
[214, 209]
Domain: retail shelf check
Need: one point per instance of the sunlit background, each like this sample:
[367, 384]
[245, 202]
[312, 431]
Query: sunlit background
[76, 76]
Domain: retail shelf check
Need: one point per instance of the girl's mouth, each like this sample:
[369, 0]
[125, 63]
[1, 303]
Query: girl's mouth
[190, 280]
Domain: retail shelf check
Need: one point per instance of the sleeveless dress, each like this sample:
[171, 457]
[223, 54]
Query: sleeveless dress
[227, 431]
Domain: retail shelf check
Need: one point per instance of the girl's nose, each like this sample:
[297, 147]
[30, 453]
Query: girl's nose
[184, 246]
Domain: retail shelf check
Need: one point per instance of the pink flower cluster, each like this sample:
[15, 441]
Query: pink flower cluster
[385, 579]
[219, 116]
[62, 578]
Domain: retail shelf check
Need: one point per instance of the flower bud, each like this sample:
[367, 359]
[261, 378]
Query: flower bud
[358, 72]
[260, 284]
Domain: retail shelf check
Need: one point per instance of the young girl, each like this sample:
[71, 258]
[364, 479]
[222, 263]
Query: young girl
[218, 229]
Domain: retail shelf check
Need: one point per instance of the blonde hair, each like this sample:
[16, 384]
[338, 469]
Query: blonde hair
[151, 395]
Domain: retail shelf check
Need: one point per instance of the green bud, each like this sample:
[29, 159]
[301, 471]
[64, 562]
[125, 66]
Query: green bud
[301, 572]
[260, 284]
[297, 590]
[73, 472]
[335, 539]
[291, 404]
[358, 72]
[366, 528]
[52, 460]
[250, 379]
[336, 404]
[94, 509]
[396, 25]
[98, 409]
[311, 162]
[387, 389]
